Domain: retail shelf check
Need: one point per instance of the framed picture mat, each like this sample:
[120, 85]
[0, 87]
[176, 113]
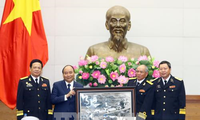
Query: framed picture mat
[105, 102]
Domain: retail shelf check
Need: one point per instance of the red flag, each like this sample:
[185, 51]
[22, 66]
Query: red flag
[22, 38]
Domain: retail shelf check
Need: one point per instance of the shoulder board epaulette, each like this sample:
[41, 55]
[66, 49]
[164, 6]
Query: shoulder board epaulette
[44, 77]
[23, 78]
[132, 78]
[153, 80]
[149, 82]
[179, 79]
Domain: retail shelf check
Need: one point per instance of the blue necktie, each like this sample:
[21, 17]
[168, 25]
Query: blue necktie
[36, 81]
[68, 87]
[165, 82]
[138, 83]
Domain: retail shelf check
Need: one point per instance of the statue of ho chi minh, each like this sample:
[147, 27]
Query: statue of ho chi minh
[118, 23]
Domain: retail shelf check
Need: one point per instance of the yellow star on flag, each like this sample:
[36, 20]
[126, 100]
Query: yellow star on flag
[23, 9]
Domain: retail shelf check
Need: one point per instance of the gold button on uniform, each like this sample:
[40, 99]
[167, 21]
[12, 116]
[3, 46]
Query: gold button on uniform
[38, 95]
[28, 110]
[38, 89]
[38, 101]
[164, 109]
[164, 96]
[164, 90]
[164, 103]
[39, 108]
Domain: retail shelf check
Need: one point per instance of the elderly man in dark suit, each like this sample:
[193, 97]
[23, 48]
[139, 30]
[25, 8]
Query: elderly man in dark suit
[144, 93]
[33, 95]
[63, 94]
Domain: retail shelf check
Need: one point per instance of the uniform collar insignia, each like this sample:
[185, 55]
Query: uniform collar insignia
[29, 79]
[158, 80]
[144, 84]
[172, 80]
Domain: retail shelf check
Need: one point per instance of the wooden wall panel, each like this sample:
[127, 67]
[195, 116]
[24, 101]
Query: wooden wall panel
[192, 109]
[7, 113]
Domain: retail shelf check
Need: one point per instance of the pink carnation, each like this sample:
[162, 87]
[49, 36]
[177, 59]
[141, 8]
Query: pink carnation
[82, 62]
[85, 76]
[123, 58]
[122, 79]
[131, 72]
[95, 84]
[129, 63]
[97, 62]
[156, 74]
[122, 68]
[119, 85]
[114, 75]
[144, 57]
[102, 79]
[94, 58]
[102, 60]
[90, 84]
[80, 71]
[109, 59]
[75, 67]
[95, 74]
[156, 63]
[103, 65]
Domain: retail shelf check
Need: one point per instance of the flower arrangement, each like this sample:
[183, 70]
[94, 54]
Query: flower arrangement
[110, 72]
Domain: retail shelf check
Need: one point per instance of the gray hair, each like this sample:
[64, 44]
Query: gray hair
[146, 68]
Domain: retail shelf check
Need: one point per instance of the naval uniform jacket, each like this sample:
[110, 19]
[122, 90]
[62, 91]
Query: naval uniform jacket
[144, 98]
[169, 101]
[33, 99]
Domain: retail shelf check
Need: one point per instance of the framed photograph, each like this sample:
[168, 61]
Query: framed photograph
[105, 103]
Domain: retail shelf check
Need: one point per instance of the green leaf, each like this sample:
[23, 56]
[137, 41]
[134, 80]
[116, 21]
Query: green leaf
[144, 62]
[119, 62]
[114, 67]
[107, 71]
[150, 72]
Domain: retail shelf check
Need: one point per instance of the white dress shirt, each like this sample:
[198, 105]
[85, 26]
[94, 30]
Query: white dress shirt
[36, 78]
[140, 81]
[166, 80]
